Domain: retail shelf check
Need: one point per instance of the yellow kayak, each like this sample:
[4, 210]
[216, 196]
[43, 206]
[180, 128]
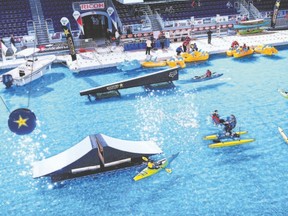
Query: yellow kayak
[150, 64]
[283, 93]
[283, 134]
[215, 136]
[230, 143]
[163, 163]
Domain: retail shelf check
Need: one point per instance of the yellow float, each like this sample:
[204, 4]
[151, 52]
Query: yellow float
[241, 53]
[265, 50]
[150, 64]
[230, 52]
[173, 62]
[195, 56]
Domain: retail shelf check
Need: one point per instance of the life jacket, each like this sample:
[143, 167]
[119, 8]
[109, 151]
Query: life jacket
[150, 165]
[186, 42]
[216, 118]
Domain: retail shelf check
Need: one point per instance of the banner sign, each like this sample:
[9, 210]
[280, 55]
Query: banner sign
[67, 31]
[79, 21]
[275, 12]
[112, 15]
[92, 6]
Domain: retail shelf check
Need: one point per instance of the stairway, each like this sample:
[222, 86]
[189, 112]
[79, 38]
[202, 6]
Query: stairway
[252, 10]
[39, 22]
[155, 23]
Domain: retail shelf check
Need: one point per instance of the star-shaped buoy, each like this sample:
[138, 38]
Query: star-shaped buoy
[22, 121]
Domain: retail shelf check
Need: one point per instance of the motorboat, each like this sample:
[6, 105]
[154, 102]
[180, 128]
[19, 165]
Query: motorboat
[34, 68]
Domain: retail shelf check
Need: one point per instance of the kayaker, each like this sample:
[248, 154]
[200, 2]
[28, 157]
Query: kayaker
[208, 73]
[152, 165]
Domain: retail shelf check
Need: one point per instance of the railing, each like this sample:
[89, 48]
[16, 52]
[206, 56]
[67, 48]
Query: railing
[243, 10]
[281, 22]
[160, 20]
[136, 28]
[49, 25]
[31, 27]
[255, 12]
[244, 3]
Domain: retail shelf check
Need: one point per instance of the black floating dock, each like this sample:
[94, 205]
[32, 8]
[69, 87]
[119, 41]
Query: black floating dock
[111, 90]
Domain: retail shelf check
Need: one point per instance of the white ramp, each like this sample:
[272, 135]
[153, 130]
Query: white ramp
[137, 147]
[60, 161]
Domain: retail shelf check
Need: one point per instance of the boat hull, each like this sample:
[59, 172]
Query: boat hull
[283, 134]
[265, 50]
[215, 136]
[230, 143]
[243, 53]
[31, 70]
[283, 93]
[195, 79]
[196, 56]
[154, 64]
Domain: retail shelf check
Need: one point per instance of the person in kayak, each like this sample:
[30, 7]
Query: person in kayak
[152, 165]
[208, 73]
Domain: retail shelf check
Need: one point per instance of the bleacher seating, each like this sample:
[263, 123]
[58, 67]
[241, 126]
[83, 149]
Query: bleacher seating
[127, 13]
[268, 5]
[185, 10]
[56, 9]
[14, 15]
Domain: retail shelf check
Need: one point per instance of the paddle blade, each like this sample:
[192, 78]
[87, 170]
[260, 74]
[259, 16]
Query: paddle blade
[168, 170]
[144, 158]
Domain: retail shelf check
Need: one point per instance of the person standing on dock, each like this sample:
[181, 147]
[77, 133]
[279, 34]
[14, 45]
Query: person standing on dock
[162, 39]
[12, 40]
[117, 37]
[209, 33]
[148, 46]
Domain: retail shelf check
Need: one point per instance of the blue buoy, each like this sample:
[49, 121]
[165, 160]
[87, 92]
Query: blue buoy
[22, 121]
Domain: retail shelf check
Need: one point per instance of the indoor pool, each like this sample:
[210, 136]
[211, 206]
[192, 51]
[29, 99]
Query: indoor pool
[248, 179]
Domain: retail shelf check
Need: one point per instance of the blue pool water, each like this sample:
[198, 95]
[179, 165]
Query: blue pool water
[250, 179]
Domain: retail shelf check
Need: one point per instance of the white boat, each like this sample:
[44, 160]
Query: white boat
[34, 68]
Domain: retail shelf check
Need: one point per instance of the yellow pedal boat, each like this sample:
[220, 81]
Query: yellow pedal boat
[150, 64]
[241, 53]
[195, 56]
[230, 52]
[265, 50]
[173, 62]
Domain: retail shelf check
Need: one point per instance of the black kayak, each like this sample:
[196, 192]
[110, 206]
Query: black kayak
[204, 78]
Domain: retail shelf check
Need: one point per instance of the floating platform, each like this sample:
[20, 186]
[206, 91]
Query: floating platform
[164, 76]
[94, 154]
